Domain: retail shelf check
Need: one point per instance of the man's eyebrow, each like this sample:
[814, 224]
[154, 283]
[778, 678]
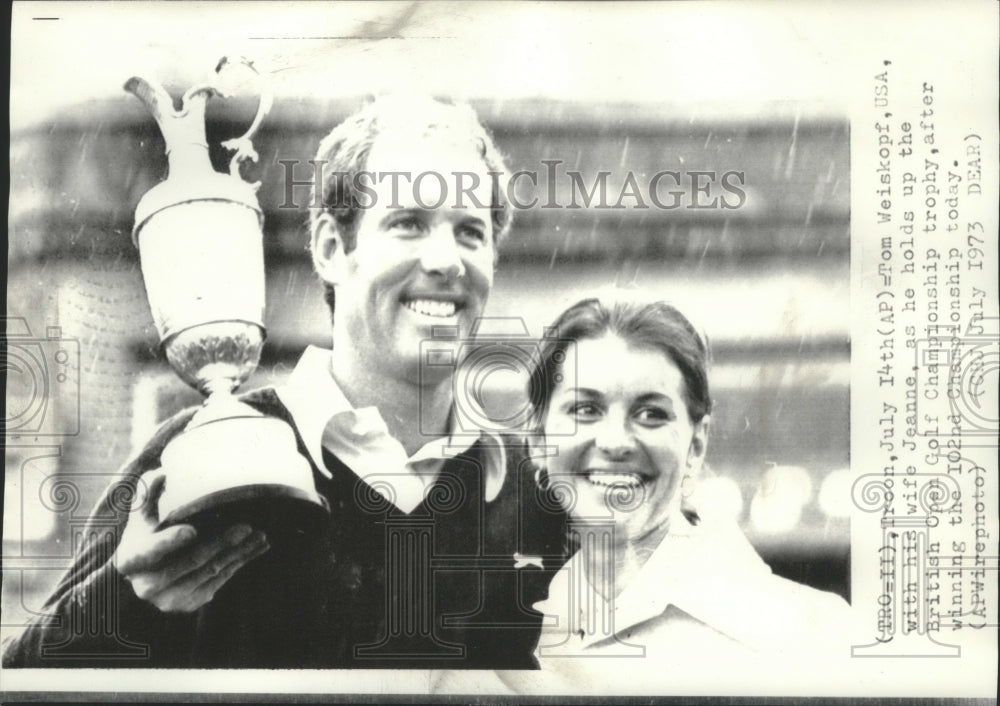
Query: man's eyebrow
[403, 211]
[465, 219]
[474, 220]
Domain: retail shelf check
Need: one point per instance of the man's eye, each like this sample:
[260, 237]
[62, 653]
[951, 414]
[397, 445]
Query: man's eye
[471, 234]
[408, 224]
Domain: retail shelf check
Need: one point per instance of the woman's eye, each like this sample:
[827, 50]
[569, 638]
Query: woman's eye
[584, 411]
[653, 416]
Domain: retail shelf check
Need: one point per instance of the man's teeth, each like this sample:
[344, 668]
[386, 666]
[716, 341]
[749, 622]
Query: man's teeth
[429, 307]
[608, 480]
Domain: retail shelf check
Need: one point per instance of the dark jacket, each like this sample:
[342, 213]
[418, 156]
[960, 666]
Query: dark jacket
[368, 587]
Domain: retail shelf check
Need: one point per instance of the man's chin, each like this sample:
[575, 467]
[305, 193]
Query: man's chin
[425, 361]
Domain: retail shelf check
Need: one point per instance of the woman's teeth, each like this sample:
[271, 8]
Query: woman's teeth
[430, 307]
[607, 480]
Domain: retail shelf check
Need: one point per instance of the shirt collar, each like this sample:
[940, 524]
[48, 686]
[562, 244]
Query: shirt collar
[697, 571]
[361, 440]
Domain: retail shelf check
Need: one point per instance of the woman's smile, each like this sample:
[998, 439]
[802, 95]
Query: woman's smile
[614, 478]
[623, 435]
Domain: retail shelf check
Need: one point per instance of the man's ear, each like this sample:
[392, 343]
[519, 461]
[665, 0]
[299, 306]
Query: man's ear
[699, 445]
[328, 249]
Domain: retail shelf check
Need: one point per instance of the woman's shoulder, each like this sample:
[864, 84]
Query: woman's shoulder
[805, 604]
[778, 611]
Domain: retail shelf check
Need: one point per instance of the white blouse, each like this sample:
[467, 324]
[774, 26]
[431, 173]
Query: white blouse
[703, 610]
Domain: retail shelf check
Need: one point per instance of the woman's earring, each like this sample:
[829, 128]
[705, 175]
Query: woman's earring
[686, 488]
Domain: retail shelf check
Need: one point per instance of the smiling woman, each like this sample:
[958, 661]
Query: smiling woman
[622, 405]
[623, 396]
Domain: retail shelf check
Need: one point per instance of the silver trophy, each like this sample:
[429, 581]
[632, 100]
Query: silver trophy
[201, 247]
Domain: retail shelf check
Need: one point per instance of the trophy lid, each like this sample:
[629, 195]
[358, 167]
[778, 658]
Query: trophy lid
[191, 175]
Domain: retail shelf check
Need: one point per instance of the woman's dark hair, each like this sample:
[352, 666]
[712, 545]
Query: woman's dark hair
[655, 325]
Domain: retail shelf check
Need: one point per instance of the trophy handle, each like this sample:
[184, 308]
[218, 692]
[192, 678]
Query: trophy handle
[242, 144]
[184, 130]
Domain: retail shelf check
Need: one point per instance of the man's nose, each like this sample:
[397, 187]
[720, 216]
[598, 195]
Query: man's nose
[615, 439]
[440, 253]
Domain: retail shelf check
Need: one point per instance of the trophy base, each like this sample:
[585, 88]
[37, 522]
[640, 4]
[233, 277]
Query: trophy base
[232, 465]
[282, 512]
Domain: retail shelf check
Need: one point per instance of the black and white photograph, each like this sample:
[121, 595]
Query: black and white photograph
[482, 352]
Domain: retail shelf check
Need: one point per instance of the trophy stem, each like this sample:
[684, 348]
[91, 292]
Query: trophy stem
[219, 388]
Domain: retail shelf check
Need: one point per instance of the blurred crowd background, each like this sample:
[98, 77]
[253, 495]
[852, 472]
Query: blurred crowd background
[768, 282]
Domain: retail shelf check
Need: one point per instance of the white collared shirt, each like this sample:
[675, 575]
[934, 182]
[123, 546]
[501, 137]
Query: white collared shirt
[703, 598]
[361, 440]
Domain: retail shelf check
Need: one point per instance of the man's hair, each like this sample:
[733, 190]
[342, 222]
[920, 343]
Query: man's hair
[343, 155]
[654, 324]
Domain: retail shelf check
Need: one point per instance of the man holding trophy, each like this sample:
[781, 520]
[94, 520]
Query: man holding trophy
[341, 520]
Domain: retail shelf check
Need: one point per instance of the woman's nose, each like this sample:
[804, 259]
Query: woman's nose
[440, 254]
[615, 440]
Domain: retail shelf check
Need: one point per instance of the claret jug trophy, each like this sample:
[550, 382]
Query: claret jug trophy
[200, 241]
